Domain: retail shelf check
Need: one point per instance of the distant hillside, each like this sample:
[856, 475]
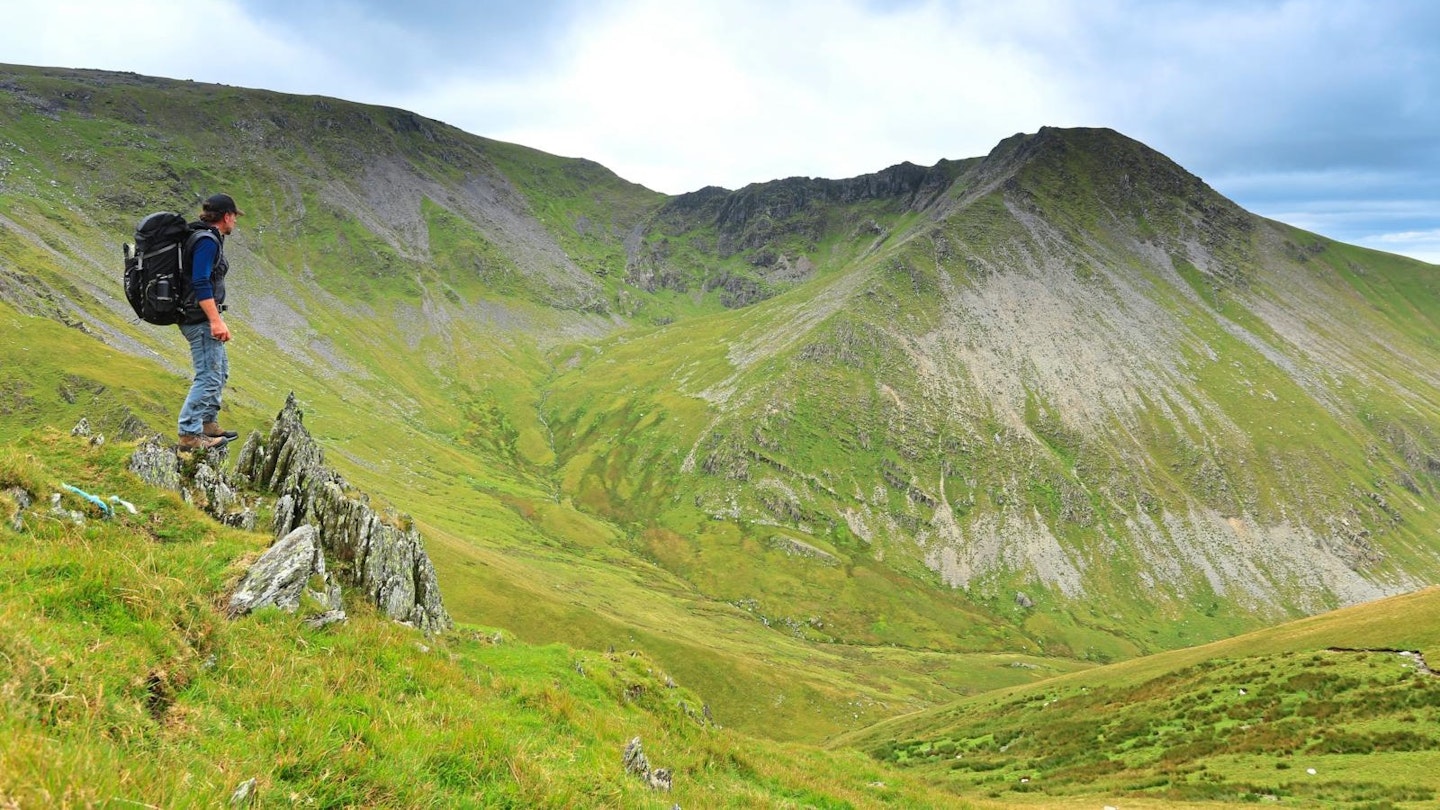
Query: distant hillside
[828, 450]
[1327, 711]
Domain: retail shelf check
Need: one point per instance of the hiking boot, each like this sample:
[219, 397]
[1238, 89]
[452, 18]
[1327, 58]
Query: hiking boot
[214, 430]
[194, 441]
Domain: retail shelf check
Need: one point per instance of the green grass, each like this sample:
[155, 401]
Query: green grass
[1233, 721]
[122, 681]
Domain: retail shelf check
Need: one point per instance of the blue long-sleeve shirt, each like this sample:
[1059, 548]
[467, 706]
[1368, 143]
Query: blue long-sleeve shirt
[202, 265]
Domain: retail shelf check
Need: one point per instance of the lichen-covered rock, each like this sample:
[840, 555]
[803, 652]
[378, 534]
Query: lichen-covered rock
[660, 779]
[637, 763]
[157, 463]
[381, 555]
[199, 477]
[634, 758]
[210, 490]
[288, 460]
[288, 571]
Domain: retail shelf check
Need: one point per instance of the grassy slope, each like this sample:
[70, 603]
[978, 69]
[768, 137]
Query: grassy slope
[1229, 721]
[122, 682]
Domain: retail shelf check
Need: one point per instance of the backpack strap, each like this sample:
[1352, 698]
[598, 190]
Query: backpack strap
[197, 233]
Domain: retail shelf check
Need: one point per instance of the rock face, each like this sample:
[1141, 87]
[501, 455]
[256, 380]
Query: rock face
[377, 554]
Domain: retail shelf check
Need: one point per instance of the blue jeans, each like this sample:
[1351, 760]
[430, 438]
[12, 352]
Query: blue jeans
[211, 370]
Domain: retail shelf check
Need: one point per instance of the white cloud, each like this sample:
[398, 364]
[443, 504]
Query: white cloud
[680, 95]
[225, 46]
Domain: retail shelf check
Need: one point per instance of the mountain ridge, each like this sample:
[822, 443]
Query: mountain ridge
[613, 414]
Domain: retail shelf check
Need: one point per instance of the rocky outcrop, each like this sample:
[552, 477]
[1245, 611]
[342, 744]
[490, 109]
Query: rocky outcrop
[156, 463]
[381, 555]
[316, 516]
[798, 548]
[761, 214]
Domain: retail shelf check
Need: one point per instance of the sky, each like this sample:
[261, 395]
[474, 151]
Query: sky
[1324, 114]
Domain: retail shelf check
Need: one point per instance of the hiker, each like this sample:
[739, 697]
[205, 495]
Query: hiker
[204, 326]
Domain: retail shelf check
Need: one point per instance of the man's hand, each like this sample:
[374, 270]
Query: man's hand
[218, 329]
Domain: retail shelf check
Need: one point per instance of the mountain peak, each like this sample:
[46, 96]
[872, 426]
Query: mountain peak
[1112, 163]
[1093, 179]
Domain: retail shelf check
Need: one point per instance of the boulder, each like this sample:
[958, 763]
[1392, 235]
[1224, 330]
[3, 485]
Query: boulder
[288, 571]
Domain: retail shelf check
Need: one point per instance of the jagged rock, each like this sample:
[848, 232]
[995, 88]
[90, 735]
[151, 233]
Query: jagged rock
[1024, 601]
[244, 519]
[288, 460]
[385, 558]
[636, 763]
[284, 515]
[284, 574]
[659, 779]
[634, 759]
[131, 427]
[203, 485]
[210, 490]
[388, 562]
[82, 428]
[157, 463]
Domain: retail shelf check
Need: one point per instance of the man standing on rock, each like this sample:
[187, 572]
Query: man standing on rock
[203, 325]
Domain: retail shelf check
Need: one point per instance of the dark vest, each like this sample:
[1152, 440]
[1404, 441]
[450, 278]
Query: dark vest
[193, 312]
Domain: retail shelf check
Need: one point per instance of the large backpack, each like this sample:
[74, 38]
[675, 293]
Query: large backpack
[155, 274]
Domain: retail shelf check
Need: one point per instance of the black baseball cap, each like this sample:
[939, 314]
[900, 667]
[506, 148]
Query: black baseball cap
[221, 204]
